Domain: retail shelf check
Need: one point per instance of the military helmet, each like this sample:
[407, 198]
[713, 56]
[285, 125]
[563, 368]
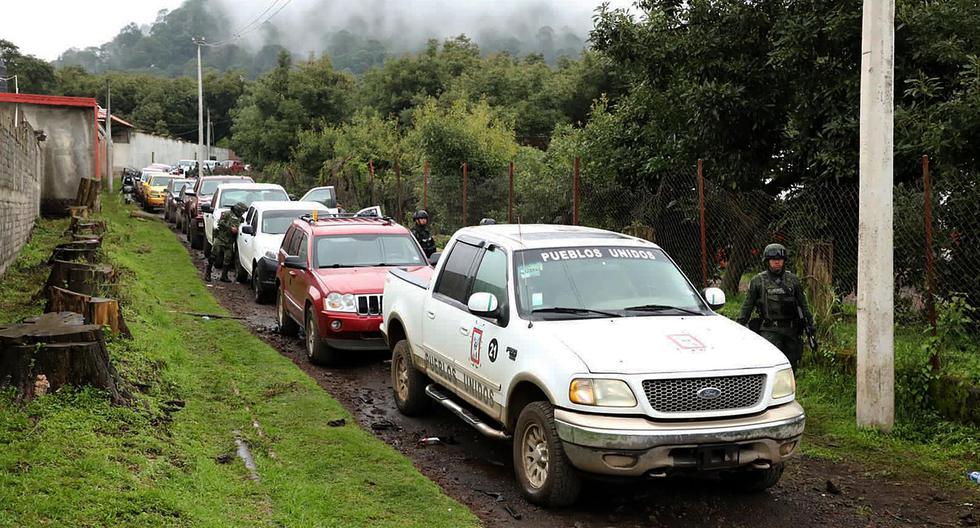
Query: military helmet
[420, 214]
[239, 208]
[773, 251]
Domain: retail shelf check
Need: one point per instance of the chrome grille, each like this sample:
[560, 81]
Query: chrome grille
[369, 304]
[681, 395]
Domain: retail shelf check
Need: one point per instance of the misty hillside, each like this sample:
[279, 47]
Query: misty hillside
[355, 36]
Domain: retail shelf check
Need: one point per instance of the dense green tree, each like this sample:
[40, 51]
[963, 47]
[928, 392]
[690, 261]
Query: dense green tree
[33, 74]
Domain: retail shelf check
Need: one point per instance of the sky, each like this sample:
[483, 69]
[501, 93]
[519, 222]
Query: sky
[45, 28]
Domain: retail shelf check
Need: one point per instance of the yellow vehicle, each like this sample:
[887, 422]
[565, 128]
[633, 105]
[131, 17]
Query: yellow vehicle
[155, 190]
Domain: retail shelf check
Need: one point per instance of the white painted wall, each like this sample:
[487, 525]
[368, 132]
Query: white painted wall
[144, 149]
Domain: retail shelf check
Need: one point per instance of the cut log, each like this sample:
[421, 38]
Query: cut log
[90, 279]
[817, 259]
[80, 211]
[88, 193]
[82, 226]
[81, 237]
[100, 311]
[59, 347]
[86, 250]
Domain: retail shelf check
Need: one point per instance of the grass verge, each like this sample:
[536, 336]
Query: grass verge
[71, 459]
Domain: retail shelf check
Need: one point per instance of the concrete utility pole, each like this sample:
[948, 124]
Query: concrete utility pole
[16, 90]
[208, 151]
[876, 279]
[200, 110]
[108, 129]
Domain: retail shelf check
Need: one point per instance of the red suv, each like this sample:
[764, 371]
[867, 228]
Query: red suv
[193, 217]
[330, 277]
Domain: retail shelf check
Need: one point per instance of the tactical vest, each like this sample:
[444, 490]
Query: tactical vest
[778, 298]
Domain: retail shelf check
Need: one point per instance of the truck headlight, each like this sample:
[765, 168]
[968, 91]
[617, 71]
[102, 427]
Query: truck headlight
[601, 392]
[340, 302]
[784, 384]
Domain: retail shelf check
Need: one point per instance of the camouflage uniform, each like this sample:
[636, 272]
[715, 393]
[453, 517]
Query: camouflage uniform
[421, 232]
[780, 299]
[223, 250]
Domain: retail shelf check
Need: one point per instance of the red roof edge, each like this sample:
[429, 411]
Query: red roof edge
[49, 100]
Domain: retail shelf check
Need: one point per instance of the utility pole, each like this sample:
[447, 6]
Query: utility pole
[16, 90]
[200, 110]
[209, 135]
[876, 279]
[108, 129]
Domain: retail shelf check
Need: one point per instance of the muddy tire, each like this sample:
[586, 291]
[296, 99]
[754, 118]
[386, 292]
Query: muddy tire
[260, 293]
[196, 240]
[407, 382]
[208, 248]
[285, 324]
[754, 480]
[543, 471]
[317, 350]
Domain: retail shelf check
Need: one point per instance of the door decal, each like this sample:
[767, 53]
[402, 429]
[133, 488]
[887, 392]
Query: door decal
[492, 350]
[476, 342]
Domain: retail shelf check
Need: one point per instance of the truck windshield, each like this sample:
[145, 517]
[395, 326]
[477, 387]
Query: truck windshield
[349, 251]
[230, 197]
[577, 282]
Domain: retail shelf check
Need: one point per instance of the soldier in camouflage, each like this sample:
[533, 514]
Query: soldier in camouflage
[421, 232]
[223, 251]
[778, 296]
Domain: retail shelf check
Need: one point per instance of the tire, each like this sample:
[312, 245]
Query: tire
[180, 225]
[286, 325]
[317, 351]
[407, 383]
[197, 241]
[260, 292]
[754, 480]
[542, 469]
[240, 274]
[208, 247]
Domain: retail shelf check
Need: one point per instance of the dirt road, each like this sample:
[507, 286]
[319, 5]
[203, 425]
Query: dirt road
[477, 471]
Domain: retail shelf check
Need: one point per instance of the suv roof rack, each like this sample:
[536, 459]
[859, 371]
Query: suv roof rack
[328, 218]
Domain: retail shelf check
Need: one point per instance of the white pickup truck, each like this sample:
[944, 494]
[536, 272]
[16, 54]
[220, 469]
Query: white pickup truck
[594, 354]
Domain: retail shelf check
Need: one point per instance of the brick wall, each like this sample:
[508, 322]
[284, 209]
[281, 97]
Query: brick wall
[21, 172]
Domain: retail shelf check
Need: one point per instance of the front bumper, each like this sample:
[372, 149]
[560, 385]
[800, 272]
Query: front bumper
[357, 332]
[265, 270]
[632, 446]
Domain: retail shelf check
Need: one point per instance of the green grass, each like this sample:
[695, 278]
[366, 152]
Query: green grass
[71, 459]
[922, 444]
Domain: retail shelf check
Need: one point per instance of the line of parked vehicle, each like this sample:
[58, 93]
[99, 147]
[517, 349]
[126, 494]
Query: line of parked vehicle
[589, 349]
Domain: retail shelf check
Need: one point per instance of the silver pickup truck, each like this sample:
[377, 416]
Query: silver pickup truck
[593, 353]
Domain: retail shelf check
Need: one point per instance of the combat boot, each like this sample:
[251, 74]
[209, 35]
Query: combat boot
[207, 272]
[224, 275]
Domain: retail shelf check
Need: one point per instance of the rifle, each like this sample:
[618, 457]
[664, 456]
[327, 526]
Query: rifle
[811, 335]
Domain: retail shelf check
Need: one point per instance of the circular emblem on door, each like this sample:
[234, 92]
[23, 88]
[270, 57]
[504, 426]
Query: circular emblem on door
[709, 393]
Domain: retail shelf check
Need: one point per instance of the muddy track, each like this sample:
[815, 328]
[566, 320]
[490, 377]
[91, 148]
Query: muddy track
[478, 472]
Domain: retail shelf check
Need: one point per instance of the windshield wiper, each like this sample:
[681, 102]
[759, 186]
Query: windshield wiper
[567, 310]
[660, 308]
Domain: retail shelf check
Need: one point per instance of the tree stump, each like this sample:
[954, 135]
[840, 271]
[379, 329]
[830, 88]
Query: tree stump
[62, 349]
[80, 211]
[817, 260]
[79, 226]
[99, 311]
[88, 193]
[88, 279]
[86, 250]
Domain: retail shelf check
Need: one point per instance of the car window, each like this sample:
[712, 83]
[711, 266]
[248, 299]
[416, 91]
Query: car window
[453, 278]
[302, 251]
[288, 240]
[347, 251]
[491, 277]
[254, 222]
[324, 196]
[277, 222]
[230, 197]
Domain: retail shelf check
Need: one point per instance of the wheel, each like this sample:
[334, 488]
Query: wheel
[287, 326]
[754, 480]
[197, 241]
[543, 471]
[261, 293]
[318, 352]
[407, 382]
[240, 274]
[208, 247]
[180, 226]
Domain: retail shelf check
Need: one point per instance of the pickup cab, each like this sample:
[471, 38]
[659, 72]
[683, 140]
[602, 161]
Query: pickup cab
[196, 200]
[594, 354]
[227, 195]
[329, 279]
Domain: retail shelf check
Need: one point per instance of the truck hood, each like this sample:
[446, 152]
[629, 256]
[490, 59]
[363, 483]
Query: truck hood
[664, 344]
[357, 280]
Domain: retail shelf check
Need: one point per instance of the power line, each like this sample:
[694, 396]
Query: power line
[251, 26]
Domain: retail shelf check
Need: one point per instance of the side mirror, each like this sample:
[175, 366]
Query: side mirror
[207, 209]
[715, 297]
[483, 304]
[190, 193]
[434, 258]
[247, 229]
[294, 262]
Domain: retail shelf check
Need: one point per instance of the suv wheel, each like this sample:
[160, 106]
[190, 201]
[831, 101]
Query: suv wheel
[195, 239]
[318, 352]
[407, 382]
[287, 326]
[543, 471]
[240, 274]
[754, 480]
